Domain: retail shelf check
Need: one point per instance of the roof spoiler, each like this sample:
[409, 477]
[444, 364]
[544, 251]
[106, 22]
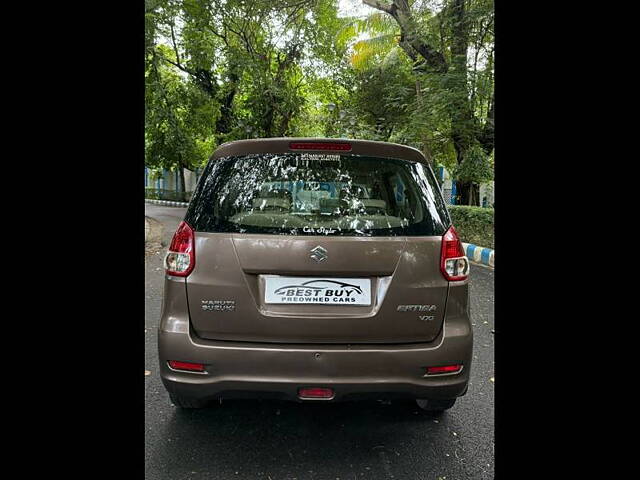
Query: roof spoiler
[337, 145]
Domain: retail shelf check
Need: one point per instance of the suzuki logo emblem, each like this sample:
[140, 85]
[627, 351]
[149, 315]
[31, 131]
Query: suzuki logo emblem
[319, 254]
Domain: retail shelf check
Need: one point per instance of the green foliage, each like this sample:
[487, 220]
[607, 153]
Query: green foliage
[476, 167]
[473, 224]
[179, 116]
[221, 70]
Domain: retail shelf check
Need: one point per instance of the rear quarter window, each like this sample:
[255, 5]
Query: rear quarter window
[318, 194]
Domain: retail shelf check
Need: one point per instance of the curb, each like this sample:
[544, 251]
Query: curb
[477, 254]
[166, 203]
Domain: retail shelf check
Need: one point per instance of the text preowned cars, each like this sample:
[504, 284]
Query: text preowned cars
[316, 270]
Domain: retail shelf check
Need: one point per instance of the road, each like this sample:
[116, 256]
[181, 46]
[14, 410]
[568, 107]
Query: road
[252, 439]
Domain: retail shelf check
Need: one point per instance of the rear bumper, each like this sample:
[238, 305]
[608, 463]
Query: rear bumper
[238, 369]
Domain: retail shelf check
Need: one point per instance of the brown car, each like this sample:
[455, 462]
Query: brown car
[316, 270]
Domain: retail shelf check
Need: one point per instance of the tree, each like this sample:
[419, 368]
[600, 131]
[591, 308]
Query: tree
[244, 55]
[440, 48]
[177, 121]
[412, 73]
[474, 169]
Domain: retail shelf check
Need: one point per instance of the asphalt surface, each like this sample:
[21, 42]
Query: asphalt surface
[260, 439]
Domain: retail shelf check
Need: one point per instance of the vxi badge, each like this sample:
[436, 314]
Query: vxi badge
[419, 308]
[325, 291]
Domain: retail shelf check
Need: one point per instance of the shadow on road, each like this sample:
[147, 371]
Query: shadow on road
[278, 439]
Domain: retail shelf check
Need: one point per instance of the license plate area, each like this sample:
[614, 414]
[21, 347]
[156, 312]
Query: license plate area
[282, 290]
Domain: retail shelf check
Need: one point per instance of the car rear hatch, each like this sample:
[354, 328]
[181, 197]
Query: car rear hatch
[317, 248]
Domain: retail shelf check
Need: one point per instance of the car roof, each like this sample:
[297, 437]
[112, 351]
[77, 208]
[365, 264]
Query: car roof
[282, 145]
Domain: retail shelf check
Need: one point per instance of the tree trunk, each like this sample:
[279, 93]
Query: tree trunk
[224, 122]
[486, 135]
[467, 193]
[463, 121]
[182, 183]
[410, 40]
[284, 124]
[426, 147]
[426, 150]
[267, 120]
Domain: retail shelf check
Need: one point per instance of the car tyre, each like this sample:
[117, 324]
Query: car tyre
[186, 402]
[435, 405]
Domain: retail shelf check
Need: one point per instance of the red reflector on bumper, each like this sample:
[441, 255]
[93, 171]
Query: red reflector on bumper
[191, 367]
[444, 369]
[315, 392]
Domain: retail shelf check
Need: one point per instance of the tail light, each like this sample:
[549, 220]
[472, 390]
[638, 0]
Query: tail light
[453, 262]
[181, 257]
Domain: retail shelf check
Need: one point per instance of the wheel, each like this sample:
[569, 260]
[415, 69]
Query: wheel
[186, 402]
[435, 406]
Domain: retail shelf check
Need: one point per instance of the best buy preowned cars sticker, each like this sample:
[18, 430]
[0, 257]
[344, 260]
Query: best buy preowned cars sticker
[326, 291]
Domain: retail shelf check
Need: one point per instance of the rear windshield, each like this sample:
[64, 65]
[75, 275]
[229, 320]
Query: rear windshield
[318, 194]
